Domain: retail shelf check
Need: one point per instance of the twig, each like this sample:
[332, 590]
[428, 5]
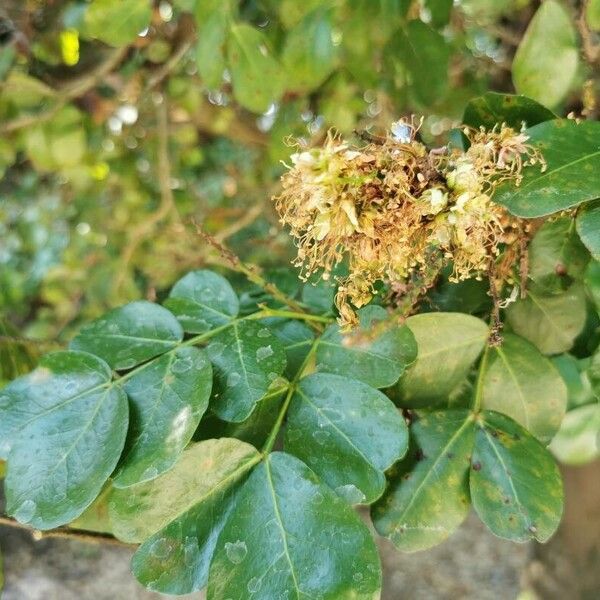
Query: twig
[167, 202]
[89, 537]
[249, 218]
[251, 272]
[74, 90]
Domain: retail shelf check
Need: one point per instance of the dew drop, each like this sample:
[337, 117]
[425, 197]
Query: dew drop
[254, 585]
[233, 379]
[263, 333]
[350, 493]
[182, 364]
[236, 551]
[264, 352]
[161, 548]
[321, 436]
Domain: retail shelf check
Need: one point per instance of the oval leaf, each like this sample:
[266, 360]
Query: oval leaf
[203, 300]
[428, 497]
[449, 344]
[204, 469]
[515, 484]
[65, 425]
[523, 384]
[493, 108]
[572, 154]
[550, 321]
[379, 362]
[168, 397]
[247, 358]
[176, 559]
[546, 60]
[255, 74]
[346, 432]
[116, 22]
[129, 335]
[297, 339]
[588, 227]
[278, 540]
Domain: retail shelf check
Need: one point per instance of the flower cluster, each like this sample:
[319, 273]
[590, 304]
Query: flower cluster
[390, 206]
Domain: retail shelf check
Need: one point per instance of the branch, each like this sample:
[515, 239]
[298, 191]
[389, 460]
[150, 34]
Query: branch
[73, 90]
[89, 537]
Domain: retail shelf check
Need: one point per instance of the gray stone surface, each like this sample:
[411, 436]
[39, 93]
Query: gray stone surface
[474, 565]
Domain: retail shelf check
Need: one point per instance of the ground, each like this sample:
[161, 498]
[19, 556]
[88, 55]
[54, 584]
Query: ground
[473, 566]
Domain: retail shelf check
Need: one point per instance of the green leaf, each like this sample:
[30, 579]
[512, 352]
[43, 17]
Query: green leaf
[202, 473]
[64, 426]
[347, 432]
[379, 362]
[255, 74]
[546, 61]
[440, 11]
[592, 282]
[576, 442]
[203, 300]
[574, 374]
[515, 484]
[116, 22]
[425, 54]
[129, 335]
[449, 344]
[549, 321]
[168, 397]
[297, 339]
[592, 14]
[514, 110]
[588, 227]
[428, 496]
[292, 12]
[556, 255]
[247, 358]
[523, 384]
[572, 154]
[210, 49]
[319, 296]
[309, 55]
[279, 537]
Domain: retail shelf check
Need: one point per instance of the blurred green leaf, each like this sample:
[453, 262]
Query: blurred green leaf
[576, 442]
[546, 61]
[588, 227]
[210, 49]
[116, 22]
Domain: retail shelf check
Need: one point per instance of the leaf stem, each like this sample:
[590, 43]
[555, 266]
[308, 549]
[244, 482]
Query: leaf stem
[481, 374]
[288, 398]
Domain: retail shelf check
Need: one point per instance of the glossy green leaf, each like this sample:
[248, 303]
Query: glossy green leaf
[523, 384]
[176, 559]
[168, 397]
[588, 227]
[449, 344]
[378, 362]
[255, 73]
[424, 54]
[297, 339]
[347, 432]
[129, 335]
[572, 153]
[203, 300]
[556, 255]
[290, 535]
[546, 61]
[428, 496]
[247, 359]
[514, 110]
[309, 55]
[576, 442]
[210, 49]
[64, 426]
[515, 484]
[202, 473]
[116, 22]
[549, 321]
